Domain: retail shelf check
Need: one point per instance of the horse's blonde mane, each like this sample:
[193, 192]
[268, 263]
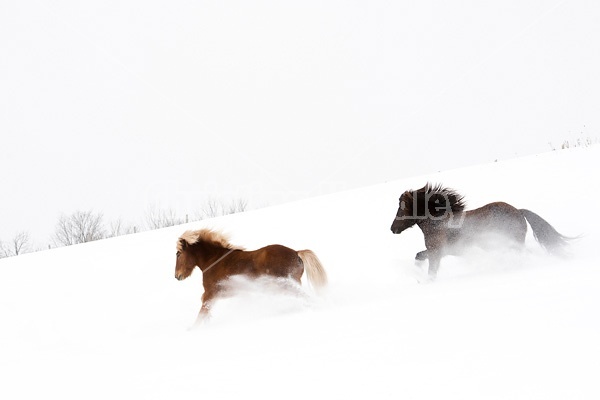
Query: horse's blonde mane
[205, 235]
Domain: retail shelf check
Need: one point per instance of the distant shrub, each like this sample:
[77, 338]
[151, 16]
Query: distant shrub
[581, 142]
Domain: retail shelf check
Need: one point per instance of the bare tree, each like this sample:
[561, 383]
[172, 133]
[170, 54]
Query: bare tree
[20, 244]
[79, 227]
[3, 250]
[157, 218]
[214, 207]
[237, 205]
[118, 228]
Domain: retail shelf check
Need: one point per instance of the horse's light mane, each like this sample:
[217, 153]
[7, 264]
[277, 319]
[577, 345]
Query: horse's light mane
[205, 235]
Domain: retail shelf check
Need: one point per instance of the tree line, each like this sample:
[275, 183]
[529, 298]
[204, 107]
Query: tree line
[87, 226]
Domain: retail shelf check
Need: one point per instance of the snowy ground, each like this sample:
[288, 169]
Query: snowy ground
[108, 319]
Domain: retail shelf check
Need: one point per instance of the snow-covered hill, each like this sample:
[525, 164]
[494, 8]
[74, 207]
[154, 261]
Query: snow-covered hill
[108, 319]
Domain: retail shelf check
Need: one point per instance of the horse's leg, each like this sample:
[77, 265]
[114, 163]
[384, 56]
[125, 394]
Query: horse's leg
[204, 313]
[434, 263]
[421, 256]
[435, 242]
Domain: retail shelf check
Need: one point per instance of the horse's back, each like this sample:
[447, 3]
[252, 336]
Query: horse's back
[497, 206]
[497, 218]
[277, 260]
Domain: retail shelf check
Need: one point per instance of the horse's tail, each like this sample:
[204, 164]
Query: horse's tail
[545, 234]
[314, 269]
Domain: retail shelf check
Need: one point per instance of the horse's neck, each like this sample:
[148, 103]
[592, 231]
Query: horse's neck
[208, 254]
[429, 225]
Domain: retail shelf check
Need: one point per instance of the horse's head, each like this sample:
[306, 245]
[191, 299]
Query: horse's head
[406, 215]
[185, 262]
[431, 202]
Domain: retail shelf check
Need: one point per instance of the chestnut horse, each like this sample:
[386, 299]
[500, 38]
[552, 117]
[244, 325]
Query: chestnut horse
[447, 228]
[218, 260]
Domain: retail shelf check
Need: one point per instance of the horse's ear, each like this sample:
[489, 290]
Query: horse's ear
[183, 244]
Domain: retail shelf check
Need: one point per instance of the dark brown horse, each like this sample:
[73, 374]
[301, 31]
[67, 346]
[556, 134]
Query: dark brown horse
[218, 260]
[447, 228]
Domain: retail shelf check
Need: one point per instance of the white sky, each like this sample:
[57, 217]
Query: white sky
[119, 105]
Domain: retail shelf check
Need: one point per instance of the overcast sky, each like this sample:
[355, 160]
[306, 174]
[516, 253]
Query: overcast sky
[121, 105]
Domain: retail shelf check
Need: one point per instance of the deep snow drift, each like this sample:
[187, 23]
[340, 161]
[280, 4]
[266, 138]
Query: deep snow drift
[108, 319]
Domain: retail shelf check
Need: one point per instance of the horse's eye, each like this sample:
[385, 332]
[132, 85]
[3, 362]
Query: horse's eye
[178, 254]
